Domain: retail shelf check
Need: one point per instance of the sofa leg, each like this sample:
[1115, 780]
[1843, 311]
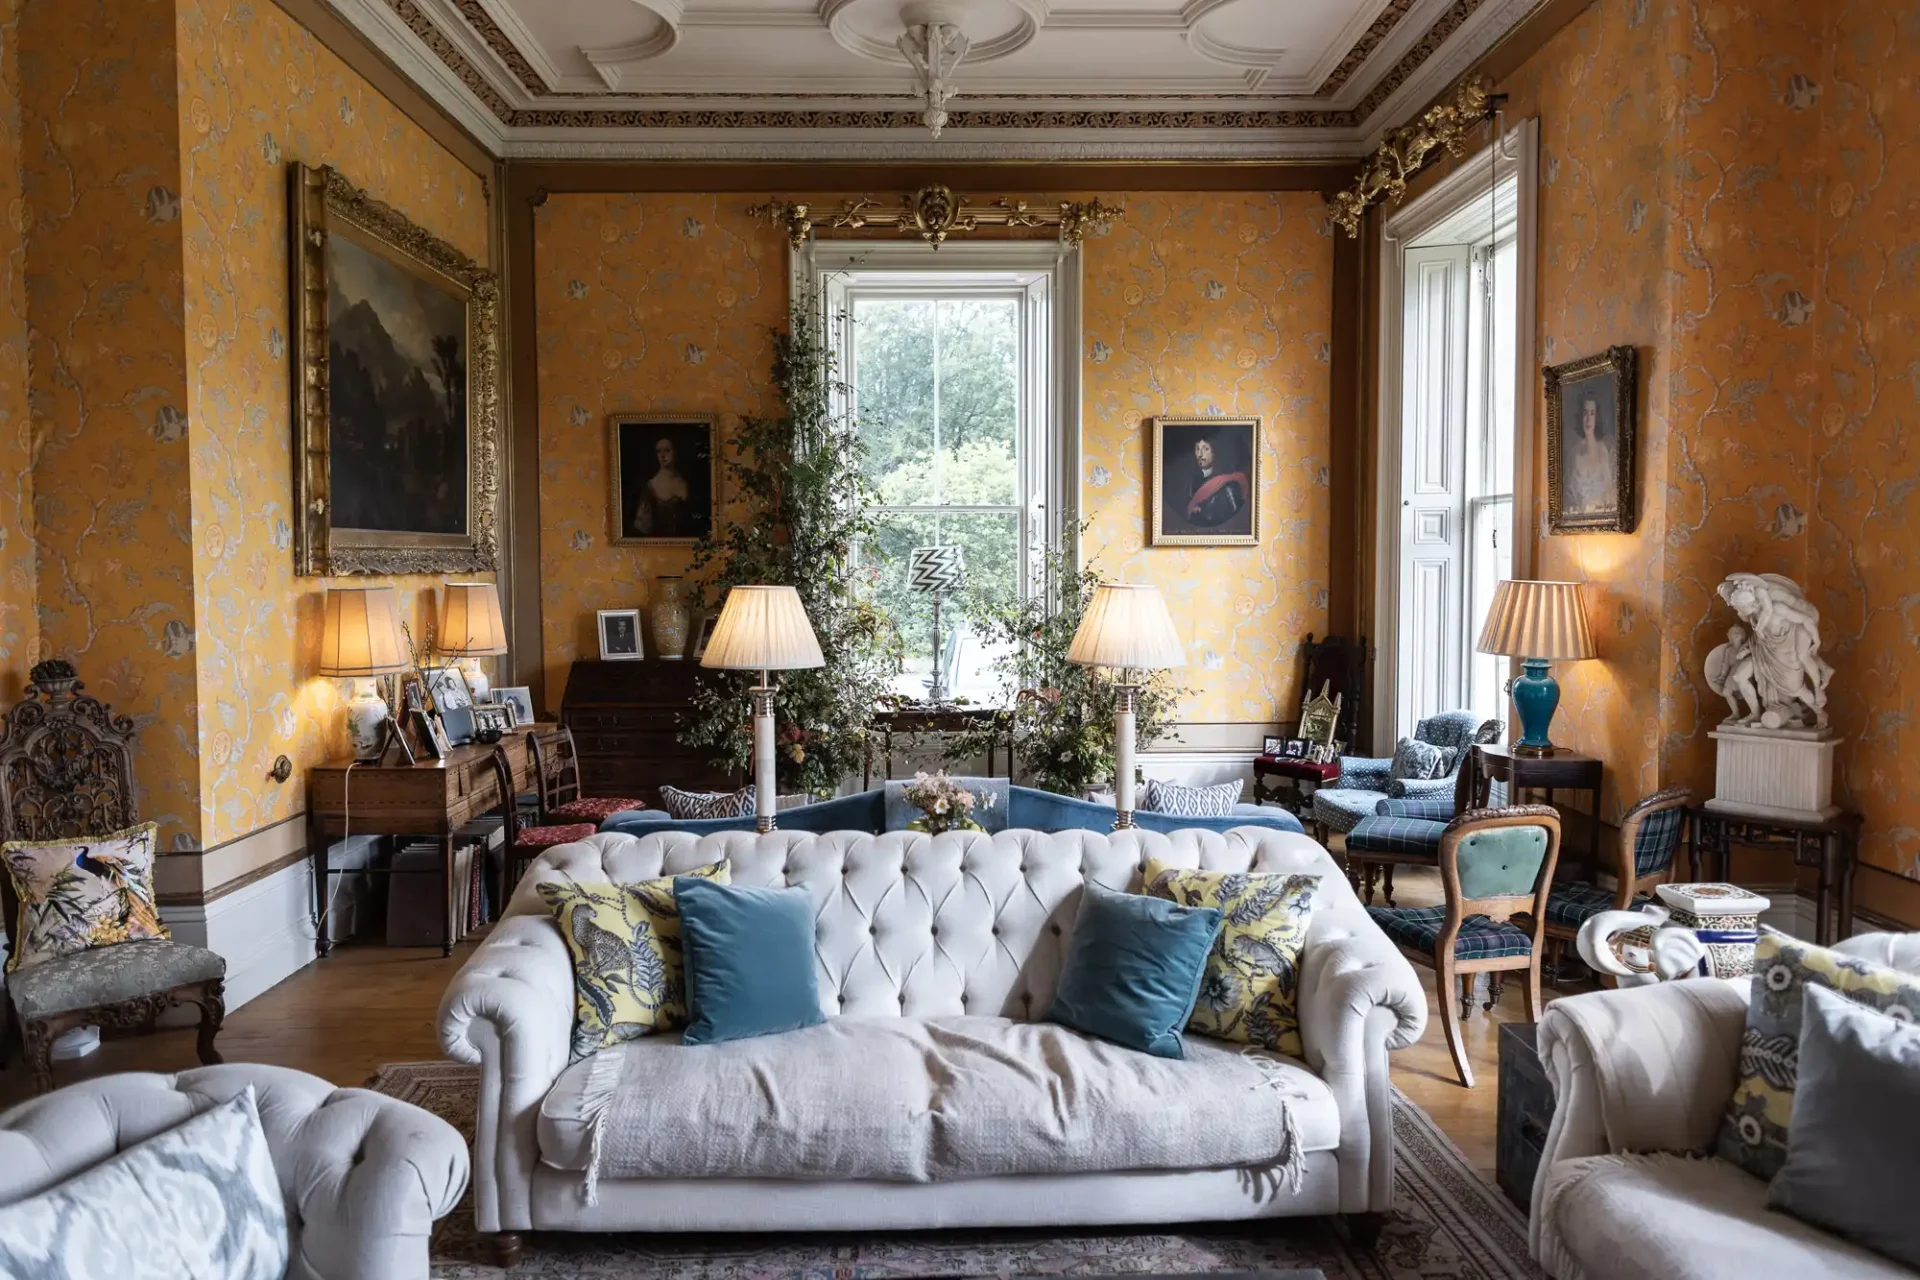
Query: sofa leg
[503, 1248]
[1363, 1229]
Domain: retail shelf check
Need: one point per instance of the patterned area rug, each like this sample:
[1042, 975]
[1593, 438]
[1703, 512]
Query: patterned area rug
[1447, 1224]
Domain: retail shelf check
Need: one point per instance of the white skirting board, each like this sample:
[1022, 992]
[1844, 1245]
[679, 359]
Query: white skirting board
[265, 931]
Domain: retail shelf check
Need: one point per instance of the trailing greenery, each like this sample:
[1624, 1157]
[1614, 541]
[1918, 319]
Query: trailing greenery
[800, 482]
[1062, 712]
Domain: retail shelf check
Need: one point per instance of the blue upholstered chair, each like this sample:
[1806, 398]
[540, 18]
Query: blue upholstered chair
[1365, 781]
[1496, 866]
[1406, 833]
[1650, 836]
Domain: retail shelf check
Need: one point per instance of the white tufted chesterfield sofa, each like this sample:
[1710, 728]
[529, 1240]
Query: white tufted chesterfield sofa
[910, 926]
[365, 1176]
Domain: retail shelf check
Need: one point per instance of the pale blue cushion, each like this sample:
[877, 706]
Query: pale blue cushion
[199, 1202]
[1853, 1149]
[749, 959]
[1133, 969]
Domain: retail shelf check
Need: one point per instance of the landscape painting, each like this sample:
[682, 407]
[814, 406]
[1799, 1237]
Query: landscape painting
[397, 410]
[395, 372]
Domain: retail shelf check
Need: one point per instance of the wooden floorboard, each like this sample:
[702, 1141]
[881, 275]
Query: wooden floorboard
[366, 1005]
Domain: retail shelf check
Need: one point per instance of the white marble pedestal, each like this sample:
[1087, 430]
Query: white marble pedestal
[1773, 773]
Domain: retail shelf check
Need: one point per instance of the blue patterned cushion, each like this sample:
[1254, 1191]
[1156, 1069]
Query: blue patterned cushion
[1439, 808]
[1176, 801]
[1396, 835]
[1658, 841]
[1572, 905]
[1342, 808]
[1415, 760]
[707, 804]
[1479, 937]
[1456, 729]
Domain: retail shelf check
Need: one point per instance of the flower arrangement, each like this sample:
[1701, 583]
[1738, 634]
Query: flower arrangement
[947, 804]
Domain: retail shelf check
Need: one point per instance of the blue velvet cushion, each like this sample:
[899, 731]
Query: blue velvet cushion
[1133, 969]
[749, 960]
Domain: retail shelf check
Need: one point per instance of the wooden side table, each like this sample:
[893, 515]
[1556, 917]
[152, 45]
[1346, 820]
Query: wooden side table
[1564, 770]
[1832, 846]
[912, 719]
[1291, 783]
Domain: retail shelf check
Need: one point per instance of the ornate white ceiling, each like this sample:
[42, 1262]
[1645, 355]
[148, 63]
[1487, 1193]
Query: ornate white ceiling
[1108, 79]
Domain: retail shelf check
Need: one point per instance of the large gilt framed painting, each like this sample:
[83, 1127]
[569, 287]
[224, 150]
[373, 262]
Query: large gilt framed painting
[395, 393]
[1590, 444]
[1206, 482]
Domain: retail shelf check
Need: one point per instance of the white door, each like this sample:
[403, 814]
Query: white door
[1433, 483]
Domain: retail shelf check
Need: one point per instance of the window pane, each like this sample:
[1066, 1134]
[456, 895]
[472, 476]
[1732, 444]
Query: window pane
[1505, 351]
[989, 543]
[893, 378]
[978, 393]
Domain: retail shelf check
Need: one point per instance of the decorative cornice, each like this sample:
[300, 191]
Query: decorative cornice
[1363, 48]
[934, 212]
[1406, 149]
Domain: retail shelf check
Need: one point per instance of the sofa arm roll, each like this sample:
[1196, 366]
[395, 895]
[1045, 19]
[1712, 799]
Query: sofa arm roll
[1429, 808]
[510, 1009]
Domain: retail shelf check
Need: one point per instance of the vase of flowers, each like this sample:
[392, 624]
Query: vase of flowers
[948, 806]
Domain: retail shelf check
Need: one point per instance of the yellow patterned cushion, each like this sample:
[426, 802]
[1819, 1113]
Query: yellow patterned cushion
[629, 976]
[81, 892]
[1754, 1133]
[1249, 990]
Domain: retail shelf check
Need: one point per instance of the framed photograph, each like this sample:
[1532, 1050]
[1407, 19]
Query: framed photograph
[1297, 748]
[620, 635]
[432, 736]
[396, 376]
[397, 739]
[492, 717]
[448, 685]
[1590, 443]
[666, 472]
[517, 698]
[1206, 482]
[703, 633]
[1271, 746]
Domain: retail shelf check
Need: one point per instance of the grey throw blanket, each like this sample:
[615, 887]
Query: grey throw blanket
[904, 1100]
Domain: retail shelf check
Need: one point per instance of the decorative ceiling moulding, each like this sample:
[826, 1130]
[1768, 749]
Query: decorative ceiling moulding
[934, 212]
[1406, 150]
[638, 95]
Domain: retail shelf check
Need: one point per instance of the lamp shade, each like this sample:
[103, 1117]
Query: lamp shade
[939, 568]
[763, 629]
[360, 633]
[1544, 620]
[1127, 625]
[470, 621]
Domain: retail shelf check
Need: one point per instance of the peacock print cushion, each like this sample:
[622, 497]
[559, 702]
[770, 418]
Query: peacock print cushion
[1753, 1134]
[629, 971]
[1249, 990]
[81, 892]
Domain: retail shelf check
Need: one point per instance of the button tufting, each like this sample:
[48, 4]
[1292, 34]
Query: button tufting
[1056, 930]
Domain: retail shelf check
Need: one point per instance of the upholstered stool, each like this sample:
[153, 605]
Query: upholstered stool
[593, 809]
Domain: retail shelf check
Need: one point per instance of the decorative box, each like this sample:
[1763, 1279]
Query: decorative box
[1723, 916]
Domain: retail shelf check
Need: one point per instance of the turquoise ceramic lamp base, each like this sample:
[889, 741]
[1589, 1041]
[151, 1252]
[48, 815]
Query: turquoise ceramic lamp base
[1536, 696]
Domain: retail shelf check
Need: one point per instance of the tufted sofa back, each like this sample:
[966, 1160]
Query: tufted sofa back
[936, 926]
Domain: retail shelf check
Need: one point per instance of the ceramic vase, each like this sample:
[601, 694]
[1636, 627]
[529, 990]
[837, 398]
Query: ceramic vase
[366, 721]
[670, 620]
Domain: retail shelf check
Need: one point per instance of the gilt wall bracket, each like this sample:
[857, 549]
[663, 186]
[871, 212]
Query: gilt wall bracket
[934, 212]
[1384, 174]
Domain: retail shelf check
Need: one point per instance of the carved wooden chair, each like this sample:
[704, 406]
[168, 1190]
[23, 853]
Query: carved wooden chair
[556, 772]
[66, 770]
[1651, 834]
[524, 843]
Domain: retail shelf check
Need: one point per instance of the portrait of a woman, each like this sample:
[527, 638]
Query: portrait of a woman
[1590, 443]
[663, 475]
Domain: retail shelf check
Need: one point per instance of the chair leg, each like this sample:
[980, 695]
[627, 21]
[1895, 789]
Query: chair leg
[213, 1011]
[39, 1050]
[1468, 983]
[1496, 987]
[1450, 1015]
[1531, 991]
[1386, 882]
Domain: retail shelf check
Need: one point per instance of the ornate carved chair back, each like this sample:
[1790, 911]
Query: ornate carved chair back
[1339, 663]
[66, 766]
[556, 768]
[1650, 836]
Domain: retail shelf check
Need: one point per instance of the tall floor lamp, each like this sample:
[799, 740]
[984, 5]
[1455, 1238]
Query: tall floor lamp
[1126, 626]
[763, 629]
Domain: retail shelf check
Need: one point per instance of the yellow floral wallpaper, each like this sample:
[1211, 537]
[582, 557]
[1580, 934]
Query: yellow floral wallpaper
[1193, 304]
[1201, 304]
[108, 378]
[258, 91]
[19, 621]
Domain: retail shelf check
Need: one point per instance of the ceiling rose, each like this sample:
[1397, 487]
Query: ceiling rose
[934, 45]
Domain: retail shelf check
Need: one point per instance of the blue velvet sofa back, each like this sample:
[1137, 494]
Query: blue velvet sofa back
[1027, 807]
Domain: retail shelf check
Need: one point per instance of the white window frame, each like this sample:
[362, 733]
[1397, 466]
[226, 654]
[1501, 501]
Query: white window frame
[1048, 274]
[1516, 157]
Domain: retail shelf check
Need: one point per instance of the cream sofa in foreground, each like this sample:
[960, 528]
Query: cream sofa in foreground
[937, 958]
[1641, 1077]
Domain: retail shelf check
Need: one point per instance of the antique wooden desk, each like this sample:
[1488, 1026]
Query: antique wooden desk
[626, 719]
[433, 798]
[1564, 770]
[912, 719]
[1832, 846]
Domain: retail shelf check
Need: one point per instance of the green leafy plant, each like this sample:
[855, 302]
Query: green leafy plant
[800, 481]
[1061, 712]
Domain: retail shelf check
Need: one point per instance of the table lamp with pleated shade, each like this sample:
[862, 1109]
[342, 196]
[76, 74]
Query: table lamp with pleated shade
[763, 629]
[1127, 627]
[359, 639]
[1538, 623]
[471, 628]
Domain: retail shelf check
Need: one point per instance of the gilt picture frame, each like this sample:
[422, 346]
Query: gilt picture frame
[1205, 482]
[395, 369]
[1591, 439]
[664, 472]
